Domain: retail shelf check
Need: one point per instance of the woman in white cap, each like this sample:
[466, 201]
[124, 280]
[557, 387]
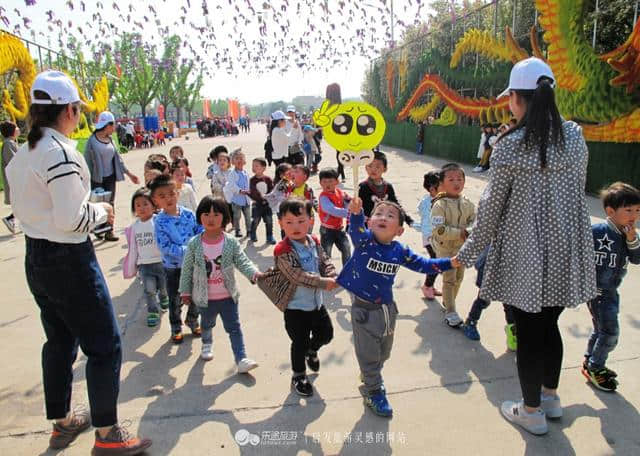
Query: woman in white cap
[533, 214]
[50, 196]
[104, 162]
[295, 154]
[281, 137]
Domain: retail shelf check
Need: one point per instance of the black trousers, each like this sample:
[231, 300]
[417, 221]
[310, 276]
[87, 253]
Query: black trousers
[539, 351]
[430, 279]
[308, 330]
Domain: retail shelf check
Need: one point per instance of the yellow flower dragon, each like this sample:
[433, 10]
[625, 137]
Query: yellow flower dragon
[14, 56]
[596, 91]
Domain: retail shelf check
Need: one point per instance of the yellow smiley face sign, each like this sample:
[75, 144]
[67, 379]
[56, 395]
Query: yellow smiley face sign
[352, 126]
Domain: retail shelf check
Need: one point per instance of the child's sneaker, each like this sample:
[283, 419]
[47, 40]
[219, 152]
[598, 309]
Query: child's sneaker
[119, 442]
[152, 319]
[62, 436]
[610, 373]
[536, 423]
[453, 319]
[470, 330]
[164, 303]
[302, 386]
[245, 365]
[176, 337]
[207, 352]
[428, 292]
[512, 339]
[600, 379]
[379, 404]
[550, 405]
[312, 360]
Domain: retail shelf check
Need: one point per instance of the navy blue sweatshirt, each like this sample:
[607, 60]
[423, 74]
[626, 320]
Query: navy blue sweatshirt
[371, 270]
[613, 253]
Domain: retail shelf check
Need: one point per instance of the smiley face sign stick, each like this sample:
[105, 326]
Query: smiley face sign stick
[353, 128]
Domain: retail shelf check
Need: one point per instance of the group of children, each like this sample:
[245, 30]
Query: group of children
[146, 139]
[186, 257]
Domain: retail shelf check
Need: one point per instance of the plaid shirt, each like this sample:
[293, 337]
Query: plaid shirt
[280, 282]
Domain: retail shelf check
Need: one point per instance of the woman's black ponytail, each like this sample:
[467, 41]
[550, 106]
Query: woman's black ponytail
[542, 121]
[42, 115]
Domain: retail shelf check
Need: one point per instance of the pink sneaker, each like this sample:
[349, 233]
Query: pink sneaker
[428, 292]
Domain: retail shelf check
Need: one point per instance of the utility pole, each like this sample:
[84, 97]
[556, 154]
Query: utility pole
[495, 19]
[595, 26]
[392, 21]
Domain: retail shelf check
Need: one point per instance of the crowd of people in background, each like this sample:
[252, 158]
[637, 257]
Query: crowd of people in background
[217, 126]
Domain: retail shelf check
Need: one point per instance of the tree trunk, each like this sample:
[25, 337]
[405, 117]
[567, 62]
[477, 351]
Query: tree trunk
[189, 117]
[143, 109]
[178, 116]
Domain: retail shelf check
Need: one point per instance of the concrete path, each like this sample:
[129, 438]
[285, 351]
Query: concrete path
[445, 389]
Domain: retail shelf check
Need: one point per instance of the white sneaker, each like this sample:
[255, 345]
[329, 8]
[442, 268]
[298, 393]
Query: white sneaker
[245, 365]
[550, 405]
[453, 319]
[478, 169]
[206, 353]
[535, 423]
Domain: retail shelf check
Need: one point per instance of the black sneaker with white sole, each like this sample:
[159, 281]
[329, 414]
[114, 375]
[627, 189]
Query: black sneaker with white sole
[302, 385]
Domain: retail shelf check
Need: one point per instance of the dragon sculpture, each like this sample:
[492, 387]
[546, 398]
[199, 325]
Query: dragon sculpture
[14, 56]
[601, 92]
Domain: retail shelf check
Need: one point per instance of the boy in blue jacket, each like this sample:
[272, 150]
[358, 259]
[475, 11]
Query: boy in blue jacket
[369, 276]
[174, 226]
[616, 244]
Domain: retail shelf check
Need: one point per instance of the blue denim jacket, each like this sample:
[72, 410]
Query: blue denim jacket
[612, 254]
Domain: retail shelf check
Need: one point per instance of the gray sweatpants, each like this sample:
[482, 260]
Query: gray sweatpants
[373, 328]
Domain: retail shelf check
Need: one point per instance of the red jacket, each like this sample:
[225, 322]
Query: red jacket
[327, 220]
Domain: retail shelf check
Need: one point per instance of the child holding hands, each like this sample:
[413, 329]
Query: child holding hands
[207, 279]
[302, 270]
[369, 276]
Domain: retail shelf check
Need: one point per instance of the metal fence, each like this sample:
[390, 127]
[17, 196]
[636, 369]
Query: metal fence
[45, 58]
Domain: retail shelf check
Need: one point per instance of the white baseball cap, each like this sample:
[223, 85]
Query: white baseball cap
[278, 115]
[291, 108]
[526, 74]
[57, 85]
[103, 119]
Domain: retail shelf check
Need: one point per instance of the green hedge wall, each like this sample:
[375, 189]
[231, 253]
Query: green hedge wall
[608, 162]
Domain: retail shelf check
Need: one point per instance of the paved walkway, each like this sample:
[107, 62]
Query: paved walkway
[445, 389]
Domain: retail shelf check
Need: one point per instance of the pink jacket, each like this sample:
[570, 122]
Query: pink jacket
[130, 263]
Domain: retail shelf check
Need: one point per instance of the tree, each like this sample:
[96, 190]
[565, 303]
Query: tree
[169, 67]
[615, 19]
[180, 89]
[138, 70]
[194, 96]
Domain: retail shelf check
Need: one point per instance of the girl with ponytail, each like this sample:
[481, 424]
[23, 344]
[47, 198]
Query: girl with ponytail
[50, 185]
[533, 215]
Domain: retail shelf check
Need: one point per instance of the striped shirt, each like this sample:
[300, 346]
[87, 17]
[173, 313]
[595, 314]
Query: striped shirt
[50, 188]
